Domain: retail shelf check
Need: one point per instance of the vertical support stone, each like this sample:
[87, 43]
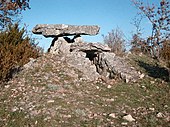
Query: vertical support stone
[77, 39]
[60, 45]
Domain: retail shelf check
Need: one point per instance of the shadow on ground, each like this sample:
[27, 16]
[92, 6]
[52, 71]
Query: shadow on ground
[155, 71]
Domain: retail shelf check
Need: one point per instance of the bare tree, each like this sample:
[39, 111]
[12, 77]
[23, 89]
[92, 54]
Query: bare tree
[138, 43]
[136, 35]
[10, 9]
[159, 17]
[115, 40]
[137, 24]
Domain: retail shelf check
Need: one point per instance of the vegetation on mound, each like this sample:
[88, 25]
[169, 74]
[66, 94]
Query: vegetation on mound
[15, 50]
[53, 94]
[50, 96]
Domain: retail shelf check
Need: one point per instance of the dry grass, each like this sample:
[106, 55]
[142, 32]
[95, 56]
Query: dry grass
[49, 96]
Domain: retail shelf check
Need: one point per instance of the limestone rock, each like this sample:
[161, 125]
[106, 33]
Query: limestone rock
[160, 115]
[79, 61]
[113, 115]
[96, 47]
[29, 64]
[124, 124]
[77, 39]
[53, 30]
[128, 118]
[111, 66]
[60, 45]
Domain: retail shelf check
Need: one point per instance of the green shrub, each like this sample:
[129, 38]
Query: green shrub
[15, 50]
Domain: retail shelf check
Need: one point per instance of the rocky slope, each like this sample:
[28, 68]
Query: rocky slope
[50, 92]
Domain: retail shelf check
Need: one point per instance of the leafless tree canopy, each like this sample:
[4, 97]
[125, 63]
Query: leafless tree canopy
[159, 17]
[11, 8]
[115, 40]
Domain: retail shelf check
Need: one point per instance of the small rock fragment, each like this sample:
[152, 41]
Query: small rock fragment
[152, 109]
[14, 109]
[67, 116]
[165, 106]
[7, 86]
[109, 86]
[152, 82]
[124, 123]
[128, 118]
[160, 115]
[142, 76]
[95, 115]
[110, 100]
[112, 115]
[50, 101]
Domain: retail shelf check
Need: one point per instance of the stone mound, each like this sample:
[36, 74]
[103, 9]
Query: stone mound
[92, 59]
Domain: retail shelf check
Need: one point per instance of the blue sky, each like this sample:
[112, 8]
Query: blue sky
[108, 14]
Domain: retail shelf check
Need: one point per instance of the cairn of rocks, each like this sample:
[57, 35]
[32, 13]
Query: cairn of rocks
[92, 59]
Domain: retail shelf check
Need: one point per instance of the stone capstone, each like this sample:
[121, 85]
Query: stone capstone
[55, 30]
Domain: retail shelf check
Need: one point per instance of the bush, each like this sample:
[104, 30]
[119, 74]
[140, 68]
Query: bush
[15, 50]
[140, 45]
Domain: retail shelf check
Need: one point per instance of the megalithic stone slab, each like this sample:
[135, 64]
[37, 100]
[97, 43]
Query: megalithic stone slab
[55, 30]
[97, 47]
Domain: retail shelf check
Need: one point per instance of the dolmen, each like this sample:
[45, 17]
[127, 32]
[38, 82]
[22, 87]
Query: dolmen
[92, 59]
